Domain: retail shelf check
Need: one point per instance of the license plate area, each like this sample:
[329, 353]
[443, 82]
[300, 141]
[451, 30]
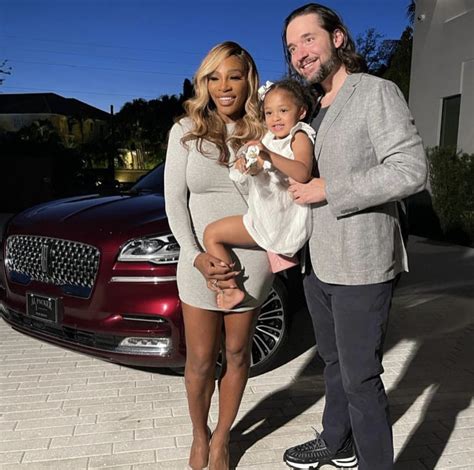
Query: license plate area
[42, 307]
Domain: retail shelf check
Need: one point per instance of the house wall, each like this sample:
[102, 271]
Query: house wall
[86, 130]
[442, 66]
[15, 122]
[78, 130]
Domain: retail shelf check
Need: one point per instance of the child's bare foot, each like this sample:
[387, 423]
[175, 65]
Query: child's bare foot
[199, 455]
[217, 286]
[229, 298]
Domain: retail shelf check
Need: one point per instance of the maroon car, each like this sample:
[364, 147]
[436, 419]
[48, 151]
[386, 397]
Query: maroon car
[97, 274]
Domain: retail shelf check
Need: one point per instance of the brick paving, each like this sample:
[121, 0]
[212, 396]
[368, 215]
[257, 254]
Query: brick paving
[63, 410]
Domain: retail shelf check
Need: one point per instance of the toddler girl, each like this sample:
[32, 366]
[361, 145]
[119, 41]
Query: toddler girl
[273, 221]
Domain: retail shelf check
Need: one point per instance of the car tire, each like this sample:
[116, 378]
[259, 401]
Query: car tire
[271, 332]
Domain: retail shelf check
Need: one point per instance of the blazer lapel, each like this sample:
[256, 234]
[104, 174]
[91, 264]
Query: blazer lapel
[335, 109]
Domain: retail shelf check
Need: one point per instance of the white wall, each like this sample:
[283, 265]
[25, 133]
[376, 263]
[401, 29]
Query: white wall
[443, 65]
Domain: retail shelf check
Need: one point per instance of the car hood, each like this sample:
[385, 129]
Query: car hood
[94, 218]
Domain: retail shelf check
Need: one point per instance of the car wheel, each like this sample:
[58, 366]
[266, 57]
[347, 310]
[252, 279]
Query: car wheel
[271, 331]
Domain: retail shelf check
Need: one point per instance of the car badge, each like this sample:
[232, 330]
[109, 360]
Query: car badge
[44, 258]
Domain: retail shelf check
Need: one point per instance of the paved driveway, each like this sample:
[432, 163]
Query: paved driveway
[63, 410]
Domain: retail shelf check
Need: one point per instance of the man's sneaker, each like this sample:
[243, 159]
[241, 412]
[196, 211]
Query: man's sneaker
[314, 454]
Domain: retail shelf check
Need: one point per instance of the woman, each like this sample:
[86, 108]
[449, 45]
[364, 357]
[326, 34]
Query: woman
[220, 118]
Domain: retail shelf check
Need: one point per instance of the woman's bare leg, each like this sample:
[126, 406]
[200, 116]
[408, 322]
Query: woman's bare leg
[239, 328]
[203, 330]
[217, 236]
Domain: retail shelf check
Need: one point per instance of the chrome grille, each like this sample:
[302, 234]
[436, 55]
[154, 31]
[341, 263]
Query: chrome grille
[52, 260]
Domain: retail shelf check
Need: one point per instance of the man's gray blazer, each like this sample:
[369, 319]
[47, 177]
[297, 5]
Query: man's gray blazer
[370, 154]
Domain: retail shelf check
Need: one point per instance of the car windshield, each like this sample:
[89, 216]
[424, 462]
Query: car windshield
[152, 182]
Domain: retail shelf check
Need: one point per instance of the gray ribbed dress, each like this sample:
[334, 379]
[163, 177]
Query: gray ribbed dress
[199, 191]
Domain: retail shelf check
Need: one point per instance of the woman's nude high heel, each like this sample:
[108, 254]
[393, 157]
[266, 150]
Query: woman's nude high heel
[188, 467]
[227, 459]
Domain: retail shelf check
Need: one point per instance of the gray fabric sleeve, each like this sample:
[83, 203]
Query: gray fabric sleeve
[402, 166]
[176, 194]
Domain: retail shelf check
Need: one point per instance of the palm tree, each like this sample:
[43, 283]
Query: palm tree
[4, 70]
[411, 8]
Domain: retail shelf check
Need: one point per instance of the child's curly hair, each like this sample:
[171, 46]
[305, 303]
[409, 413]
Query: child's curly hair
[304, 96]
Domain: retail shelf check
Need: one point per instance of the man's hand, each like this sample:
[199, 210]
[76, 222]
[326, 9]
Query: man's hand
[306, 193]
[214, 268]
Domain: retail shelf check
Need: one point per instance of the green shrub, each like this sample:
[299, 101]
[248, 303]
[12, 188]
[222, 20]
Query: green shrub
[452, 185]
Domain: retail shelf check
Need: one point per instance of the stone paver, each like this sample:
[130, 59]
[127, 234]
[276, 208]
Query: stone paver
[61, 410]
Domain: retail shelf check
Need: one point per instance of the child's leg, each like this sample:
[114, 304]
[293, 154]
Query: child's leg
[218, 234]
[227, 231]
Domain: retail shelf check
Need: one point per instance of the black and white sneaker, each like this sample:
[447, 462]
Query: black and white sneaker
[314, 454]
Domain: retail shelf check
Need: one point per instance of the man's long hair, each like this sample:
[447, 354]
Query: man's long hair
[330, 21]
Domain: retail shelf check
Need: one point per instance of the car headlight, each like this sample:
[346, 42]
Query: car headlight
[163, 249]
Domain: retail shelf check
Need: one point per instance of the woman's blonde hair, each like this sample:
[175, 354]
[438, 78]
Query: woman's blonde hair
[208, 125]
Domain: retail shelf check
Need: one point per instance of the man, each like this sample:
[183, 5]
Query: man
[368, 155]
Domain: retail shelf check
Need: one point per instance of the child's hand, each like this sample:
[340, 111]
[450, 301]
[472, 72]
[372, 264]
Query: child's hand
[264, 153]
[259, 144]
[255, 155]
[255, 169]
[253, 142]
[240, 165]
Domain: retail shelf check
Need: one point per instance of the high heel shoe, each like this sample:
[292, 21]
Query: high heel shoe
[227, 457]
[209, 433]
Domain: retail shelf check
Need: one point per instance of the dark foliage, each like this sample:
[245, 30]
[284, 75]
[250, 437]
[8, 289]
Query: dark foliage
[142, 126]
[399, 65]
[4, 70]
[451, 178]
[376, 50]
[40, 141]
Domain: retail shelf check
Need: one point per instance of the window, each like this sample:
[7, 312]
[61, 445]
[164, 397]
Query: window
[450, 121]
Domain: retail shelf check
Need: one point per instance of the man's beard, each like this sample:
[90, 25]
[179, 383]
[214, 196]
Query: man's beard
[325, 69]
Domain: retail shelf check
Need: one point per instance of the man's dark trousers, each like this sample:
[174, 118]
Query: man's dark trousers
[350, 324]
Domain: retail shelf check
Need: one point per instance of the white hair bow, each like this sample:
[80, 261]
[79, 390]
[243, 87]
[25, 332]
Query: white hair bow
[263, 90]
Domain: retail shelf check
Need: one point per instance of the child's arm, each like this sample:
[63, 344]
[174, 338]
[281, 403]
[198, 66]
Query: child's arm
[298, 169]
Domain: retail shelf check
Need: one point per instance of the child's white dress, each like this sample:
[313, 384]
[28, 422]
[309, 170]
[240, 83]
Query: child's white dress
[273, 219]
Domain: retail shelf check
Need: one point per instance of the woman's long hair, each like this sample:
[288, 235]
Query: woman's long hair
[208, 125]
[330, 21]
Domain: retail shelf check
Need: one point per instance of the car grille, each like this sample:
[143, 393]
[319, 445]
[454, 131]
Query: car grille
[71, 265]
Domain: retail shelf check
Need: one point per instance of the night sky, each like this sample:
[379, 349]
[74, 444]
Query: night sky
[108, 52]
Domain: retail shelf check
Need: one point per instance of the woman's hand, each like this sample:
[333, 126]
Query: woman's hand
[214, 268]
